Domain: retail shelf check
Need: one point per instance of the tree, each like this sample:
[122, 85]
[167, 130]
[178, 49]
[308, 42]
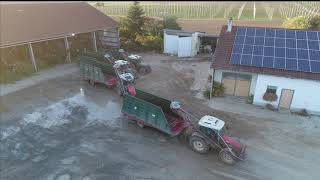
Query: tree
[315, 23]
[170, 22]
[299, 22]
[134, 21]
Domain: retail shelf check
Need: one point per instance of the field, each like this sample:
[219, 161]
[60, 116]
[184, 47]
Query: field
[239, 10]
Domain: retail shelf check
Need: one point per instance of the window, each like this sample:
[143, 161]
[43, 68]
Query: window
[271, 89]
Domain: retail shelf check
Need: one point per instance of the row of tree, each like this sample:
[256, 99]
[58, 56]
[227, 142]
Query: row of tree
[141, 33]
[302, 22]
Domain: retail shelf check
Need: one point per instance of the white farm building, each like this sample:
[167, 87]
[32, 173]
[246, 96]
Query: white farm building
[187, 43]
[262, 62]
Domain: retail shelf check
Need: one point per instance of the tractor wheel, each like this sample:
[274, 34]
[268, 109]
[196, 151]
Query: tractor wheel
[133, 65]
[148, 67]
[226, 157]
[199, 145]
[142, 70]
[140, 124]
[91, 82]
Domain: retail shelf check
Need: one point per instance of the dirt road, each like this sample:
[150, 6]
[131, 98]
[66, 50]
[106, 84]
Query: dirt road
[65, 129]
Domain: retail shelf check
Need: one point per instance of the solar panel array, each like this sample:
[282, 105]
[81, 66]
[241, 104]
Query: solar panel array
[294, 50]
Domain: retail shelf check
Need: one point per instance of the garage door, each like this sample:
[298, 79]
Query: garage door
[242, 87]
[236, 84]
[229, 85]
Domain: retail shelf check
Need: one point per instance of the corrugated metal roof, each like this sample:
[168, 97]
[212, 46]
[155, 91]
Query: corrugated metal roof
[22, 23]
[223, 55]
[178, 32]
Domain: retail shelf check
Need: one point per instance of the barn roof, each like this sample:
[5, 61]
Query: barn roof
[223, 52]
[22, 23]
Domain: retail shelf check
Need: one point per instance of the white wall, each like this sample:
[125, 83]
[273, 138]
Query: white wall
[185, 46]
[171, 44]
[195, 44]
[306, 92]
[218, 78]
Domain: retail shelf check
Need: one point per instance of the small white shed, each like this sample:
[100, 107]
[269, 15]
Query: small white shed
[187, 43]
[181, 43]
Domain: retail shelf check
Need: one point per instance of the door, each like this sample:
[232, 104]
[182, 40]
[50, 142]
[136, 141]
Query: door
[185, 46]
[229, 86]
[242, 87]
[236, 84]
[286, 98]
[171, 44]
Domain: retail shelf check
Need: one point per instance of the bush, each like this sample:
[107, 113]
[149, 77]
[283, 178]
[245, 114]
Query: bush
[218, 89]
[270, 97]
[209, 78]
[271, 107]
[303, 112]
[149, 43]
[315, 23]
[249, 99]
[206, 93]
[299, 22]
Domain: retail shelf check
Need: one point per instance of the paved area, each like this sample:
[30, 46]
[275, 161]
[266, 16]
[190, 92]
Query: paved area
[63, 128]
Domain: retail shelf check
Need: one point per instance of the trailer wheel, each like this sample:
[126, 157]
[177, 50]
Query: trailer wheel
[140, 124]
[199, 145]
[226, 157]
[91, 82]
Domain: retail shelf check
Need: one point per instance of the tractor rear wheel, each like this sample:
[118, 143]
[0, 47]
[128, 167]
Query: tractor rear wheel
[226, 157]
[199, 145]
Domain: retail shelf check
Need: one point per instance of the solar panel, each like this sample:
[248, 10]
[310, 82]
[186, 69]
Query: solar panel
[257, 61]
[295, 50]
[315, 66]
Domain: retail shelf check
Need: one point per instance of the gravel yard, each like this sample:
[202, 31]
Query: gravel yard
[63, 128]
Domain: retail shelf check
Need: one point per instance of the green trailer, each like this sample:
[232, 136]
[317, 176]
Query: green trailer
[150, 110]
[95, 71]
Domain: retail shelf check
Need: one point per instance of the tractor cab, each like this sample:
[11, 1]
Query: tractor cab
[121, 65]
[132, 57]
[212, 127]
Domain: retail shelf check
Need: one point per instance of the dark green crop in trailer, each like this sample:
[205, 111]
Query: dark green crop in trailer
[106, 68]
[91, 72]
[148, 108]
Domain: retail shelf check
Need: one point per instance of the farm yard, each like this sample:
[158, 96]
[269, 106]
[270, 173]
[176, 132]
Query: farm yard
[70, 118]
[217, 10]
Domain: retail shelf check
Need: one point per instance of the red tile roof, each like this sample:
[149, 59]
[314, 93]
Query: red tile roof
[223, 54]
[21, 23]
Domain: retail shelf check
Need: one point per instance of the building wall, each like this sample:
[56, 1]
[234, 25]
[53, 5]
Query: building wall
[306, 92]
[218, 78]
[171, 44]
[108, 38]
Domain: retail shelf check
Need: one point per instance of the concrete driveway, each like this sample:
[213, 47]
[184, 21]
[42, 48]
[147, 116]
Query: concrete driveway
[63, 128]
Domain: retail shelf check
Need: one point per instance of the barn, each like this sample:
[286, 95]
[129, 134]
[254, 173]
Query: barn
[276, 66]
[41, 34]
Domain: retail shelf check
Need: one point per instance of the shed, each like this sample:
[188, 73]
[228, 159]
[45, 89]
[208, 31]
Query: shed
[186, 43]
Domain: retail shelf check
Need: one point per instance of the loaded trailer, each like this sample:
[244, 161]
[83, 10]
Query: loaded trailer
[135, 62]
[168, 117]
[95, 71]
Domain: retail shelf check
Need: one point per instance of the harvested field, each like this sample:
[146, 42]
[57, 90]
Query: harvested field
[214, 26]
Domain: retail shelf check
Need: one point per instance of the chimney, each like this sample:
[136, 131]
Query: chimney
[229, 25]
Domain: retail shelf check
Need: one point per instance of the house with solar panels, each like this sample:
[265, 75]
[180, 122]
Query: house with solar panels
[258, 61]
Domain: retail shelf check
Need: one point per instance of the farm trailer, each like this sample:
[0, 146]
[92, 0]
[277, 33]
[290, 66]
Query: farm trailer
[95, 71]
[168, 117]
